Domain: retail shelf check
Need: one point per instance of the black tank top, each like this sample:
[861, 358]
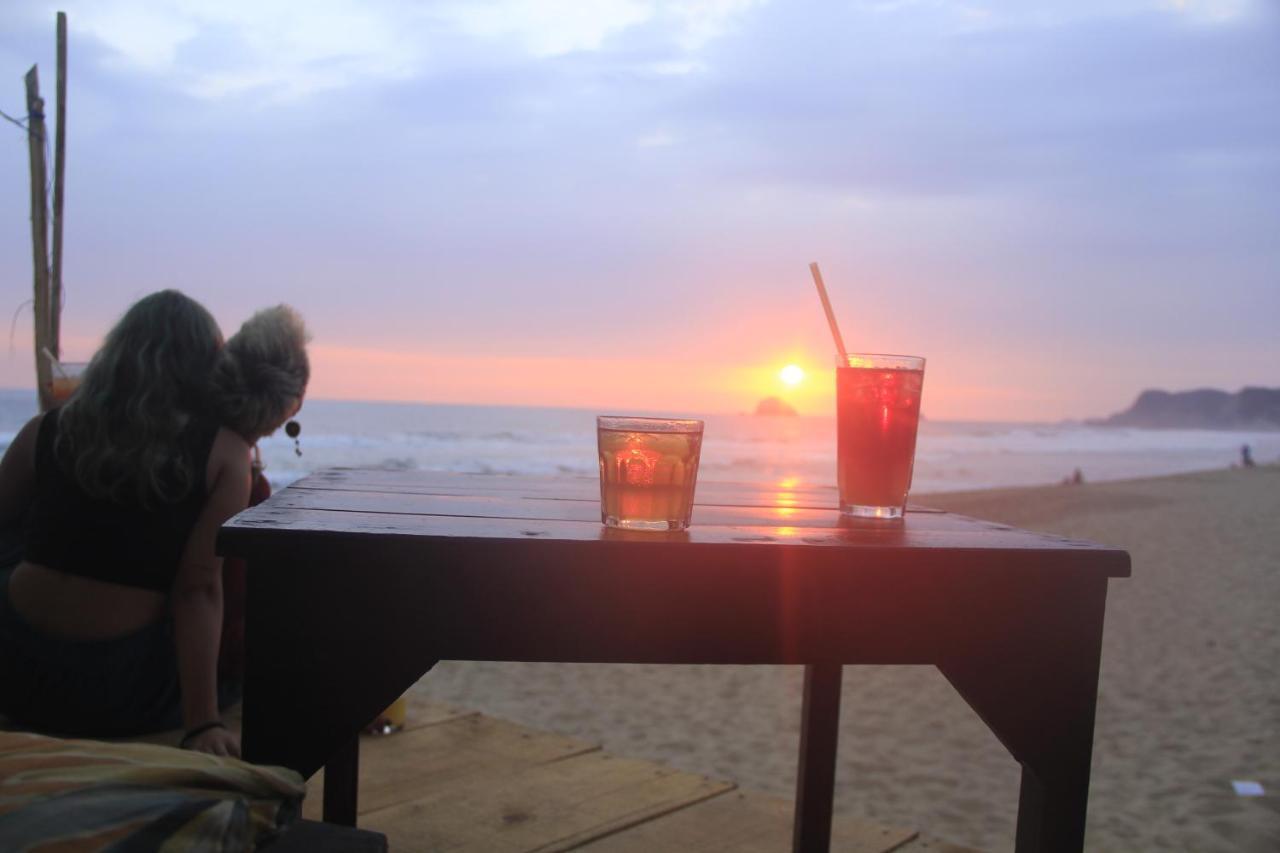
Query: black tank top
[118, 542]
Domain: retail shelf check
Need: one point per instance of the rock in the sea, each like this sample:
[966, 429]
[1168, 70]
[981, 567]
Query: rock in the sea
[774, 406]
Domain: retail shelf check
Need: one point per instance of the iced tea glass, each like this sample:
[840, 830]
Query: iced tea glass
[65, 380]
[877, 413]
[648, 469]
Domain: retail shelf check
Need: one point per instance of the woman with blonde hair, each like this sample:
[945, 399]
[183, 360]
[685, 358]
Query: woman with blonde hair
[259, 381]
[110, 623]
[260, 377]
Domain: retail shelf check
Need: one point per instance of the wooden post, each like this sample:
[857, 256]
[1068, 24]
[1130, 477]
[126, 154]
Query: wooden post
[59, 178]
[39, 235]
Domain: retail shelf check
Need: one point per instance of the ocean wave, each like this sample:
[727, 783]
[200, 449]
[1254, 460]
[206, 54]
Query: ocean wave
[551, 442]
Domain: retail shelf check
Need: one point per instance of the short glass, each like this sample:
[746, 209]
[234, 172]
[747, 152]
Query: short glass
[648, 470]
[65, 380]
[877, 414]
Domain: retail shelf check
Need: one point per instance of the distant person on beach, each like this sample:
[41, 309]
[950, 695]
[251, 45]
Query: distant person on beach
[110, 623]
[1246, 456]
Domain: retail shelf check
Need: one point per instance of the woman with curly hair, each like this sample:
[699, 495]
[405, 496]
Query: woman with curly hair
[110, 623]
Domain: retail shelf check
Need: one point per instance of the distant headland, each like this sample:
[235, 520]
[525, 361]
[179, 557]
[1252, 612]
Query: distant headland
[1206, 408]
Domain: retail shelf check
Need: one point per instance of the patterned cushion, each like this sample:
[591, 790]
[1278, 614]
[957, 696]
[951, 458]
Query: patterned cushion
[68, 796]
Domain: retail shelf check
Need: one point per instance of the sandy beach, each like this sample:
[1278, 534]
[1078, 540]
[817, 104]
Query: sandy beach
[1189, 696]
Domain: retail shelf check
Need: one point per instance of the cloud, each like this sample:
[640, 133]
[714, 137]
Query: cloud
[212, 49]
[549, 27]
[229, 47]
[1212, 11]
[911, 99]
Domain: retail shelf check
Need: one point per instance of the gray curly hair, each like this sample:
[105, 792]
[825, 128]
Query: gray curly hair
[262, 372]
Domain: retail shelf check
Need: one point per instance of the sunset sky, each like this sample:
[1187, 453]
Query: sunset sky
[613, 204]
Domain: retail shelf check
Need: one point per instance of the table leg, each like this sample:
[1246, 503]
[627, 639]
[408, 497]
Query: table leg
[341, 781]
[1038, 692]
[327, 649]
[1051, 809]
[815, 781]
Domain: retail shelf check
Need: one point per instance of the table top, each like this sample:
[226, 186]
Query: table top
[353, 504]
[359, 579]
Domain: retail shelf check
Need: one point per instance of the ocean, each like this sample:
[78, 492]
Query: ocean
[950, 456]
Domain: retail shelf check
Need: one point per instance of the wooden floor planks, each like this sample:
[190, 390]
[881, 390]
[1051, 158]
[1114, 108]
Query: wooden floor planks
[456, 782]
[746, 822]
[400, 767]
[547, 807]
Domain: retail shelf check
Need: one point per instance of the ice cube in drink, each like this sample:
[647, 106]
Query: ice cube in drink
[877, 414]
[648, 470]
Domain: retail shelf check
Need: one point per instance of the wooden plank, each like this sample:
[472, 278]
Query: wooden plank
[731, 492]
[744, 822]
[398, 767]
[925, 844]
[565, 488]
[785, 492]
[548, 807]
[920, 533]
[556, 509]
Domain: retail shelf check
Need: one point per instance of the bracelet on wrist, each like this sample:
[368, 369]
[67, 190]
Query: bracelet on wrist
[195, 732]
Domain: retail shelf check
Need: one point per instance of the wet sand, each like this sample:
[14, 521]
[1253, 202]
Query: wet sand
[1189, 696]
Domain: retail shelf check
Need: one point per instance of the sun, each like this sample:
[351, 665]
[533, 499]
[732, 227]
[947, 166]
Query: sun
[792, 374]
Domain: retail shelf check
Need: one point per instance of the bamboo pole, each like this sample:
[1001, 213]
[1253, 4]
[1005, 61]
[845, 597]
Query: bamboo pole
[39, 235]
[59, 180]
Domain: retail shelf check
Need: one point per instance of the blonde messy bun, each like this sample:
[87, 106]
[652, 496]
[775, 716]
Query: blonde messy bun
[262, 372]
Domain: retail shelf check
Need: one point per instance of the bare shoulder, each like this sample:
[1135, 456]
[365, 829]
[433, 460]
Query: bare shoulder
[229, 457]
[22, 450]
[18, 473]
[26, 436]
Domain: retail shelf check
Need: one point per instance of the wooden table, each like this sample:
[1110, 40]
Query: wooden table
[360, 579]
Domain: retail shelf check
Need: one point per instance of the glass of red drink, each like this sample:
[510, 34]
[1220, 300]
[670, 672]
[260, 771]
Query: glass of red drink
[877, 412]
[648, 470]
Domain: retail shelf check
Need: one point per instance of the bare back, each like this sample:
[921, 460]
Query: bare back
[69, 606]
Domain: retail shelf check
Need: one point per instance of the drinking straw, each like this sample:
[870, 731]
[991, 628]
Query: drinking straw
[54, 363]
[826, 306]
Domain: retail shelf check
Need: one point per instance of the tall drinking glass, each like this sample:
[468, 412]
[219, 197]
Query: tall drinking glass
[877, 413]
[648, 470]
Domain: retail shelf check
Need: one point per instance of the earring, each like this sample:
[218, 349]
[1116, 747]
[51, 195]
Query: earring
[293, 429]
